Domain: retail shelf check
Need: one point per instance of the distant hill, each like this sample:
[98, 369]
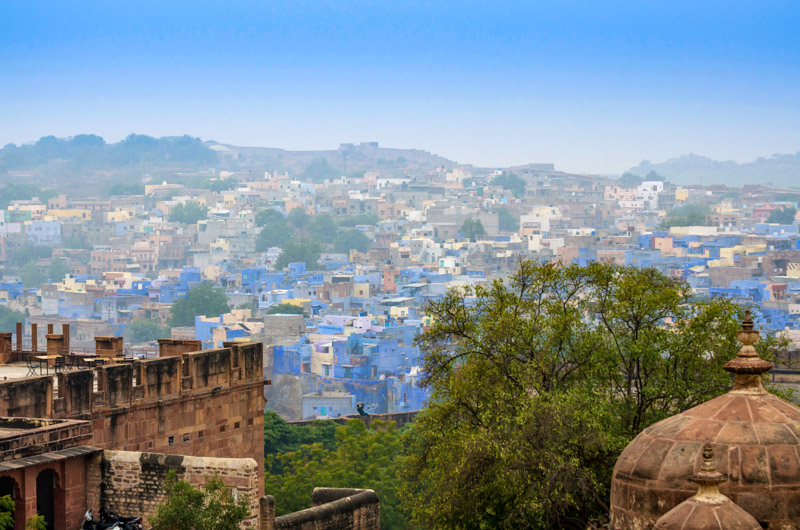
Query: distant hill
[88, 158]
[347, 159]
[778, 170]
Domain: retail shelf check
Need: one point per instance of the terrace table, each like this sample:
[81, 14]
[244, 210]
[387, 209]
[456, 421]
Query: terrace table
[92, 362]
[44, 360]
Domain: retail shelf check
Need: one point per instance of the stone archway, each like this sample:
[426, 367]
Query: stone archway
[10, 487]
[46, 496]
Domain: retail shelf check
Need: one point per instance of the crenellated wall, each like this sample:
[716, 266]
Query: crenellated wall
[133, 483]
[202, 403]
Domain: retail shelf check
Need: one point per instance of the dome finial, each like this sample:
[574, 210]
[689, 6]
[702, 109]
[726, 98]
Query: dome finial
[748, 366]
[708, 475]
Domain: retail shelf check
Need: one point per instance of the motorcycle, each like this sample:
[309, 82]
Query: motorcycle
[126, 523]
[90, 524]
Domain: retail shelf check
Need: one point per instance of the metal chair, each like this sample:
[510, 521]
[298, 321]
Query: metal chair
[31, 364]
[61, 363]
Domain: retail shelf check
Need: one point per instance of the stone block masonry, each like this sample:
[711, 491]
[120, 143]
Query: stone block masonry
[132, 483]
[332, 509]
[199, 403]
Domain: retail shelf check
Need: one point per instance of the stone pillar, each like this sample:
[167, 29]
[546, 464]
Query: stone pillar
[65, 332]
[266, 513]
[49, 329]
[19, 336]
[34, 338]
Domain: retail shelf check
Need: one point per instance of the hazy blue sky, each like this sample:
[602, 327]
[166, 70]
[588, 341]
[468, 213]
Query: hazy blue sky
[591, 86]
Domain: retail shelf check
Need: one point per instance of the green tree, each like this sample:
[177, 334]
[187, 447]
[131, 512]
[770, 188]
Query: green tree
[690, 215]
[126, 188]
[510, 181]
[202, 300]
[298, 218]
[783, 216]
[629, 180]
[281, 437]
[31, 275]
[275, 231]
[145, 330]
[57, 270]
[363, 458]
[472, 229]
[28, 253]
[36, 522]
[348, 240]
[306, 251]
[268, 216]
[653, 175]
[323, 228]
[508, 221]
[9, 318]
[6, 510]
[285, 309]
[188, 212]
[538, 382]
[188, 508]
[318, 170]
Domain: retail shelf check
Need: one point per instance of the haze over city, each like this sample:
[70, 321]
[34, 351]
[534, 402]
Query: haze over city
[379, 265]
[594, 87]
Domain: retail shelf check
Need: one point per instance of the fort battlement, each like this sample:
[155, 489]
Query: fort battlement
[206, 403]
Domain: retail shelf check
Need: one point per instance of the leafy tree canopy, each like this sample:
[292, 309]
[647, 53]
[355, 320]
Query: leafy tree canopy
[281, 437]
[508, 222]
[275, 232]
[29, 253]
[472, 229]
[348, 240]
[652, 175]
[298, 218]
[202, 300]
[285, 309]
[145, 330]
[362, 458]
[91, 151]
[510, 181]
[9, 318]
[537, 384]
[269, 215]
[188, 212]
[31, 275]
[784, 216]
[689, 215]
[23, 192]
[126, 188]
[318, 170]
[57, 270]
[323, 228]
[6, 511]
[629, 180]
[210, 508]
[305, 250]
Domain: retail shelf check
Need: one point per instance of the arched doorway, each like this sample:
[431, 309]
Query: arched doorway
[45, 496]
[9, 486]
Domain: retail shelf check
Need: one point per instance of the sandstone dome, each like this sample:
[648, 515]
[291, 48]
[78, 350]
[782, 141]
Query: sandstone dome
[755, 438]
[708, 509]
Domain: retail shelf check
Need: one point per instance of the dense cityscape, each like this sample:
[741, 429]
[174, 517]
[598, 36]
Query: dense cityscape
[364, 265]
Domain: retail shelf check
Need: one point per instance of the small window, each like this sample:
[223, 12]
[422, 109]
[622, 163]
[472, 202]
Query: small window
[171, 440]
[236, 425]
[221, 428]
[250, 421]
[200, 434]
[187, 437]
